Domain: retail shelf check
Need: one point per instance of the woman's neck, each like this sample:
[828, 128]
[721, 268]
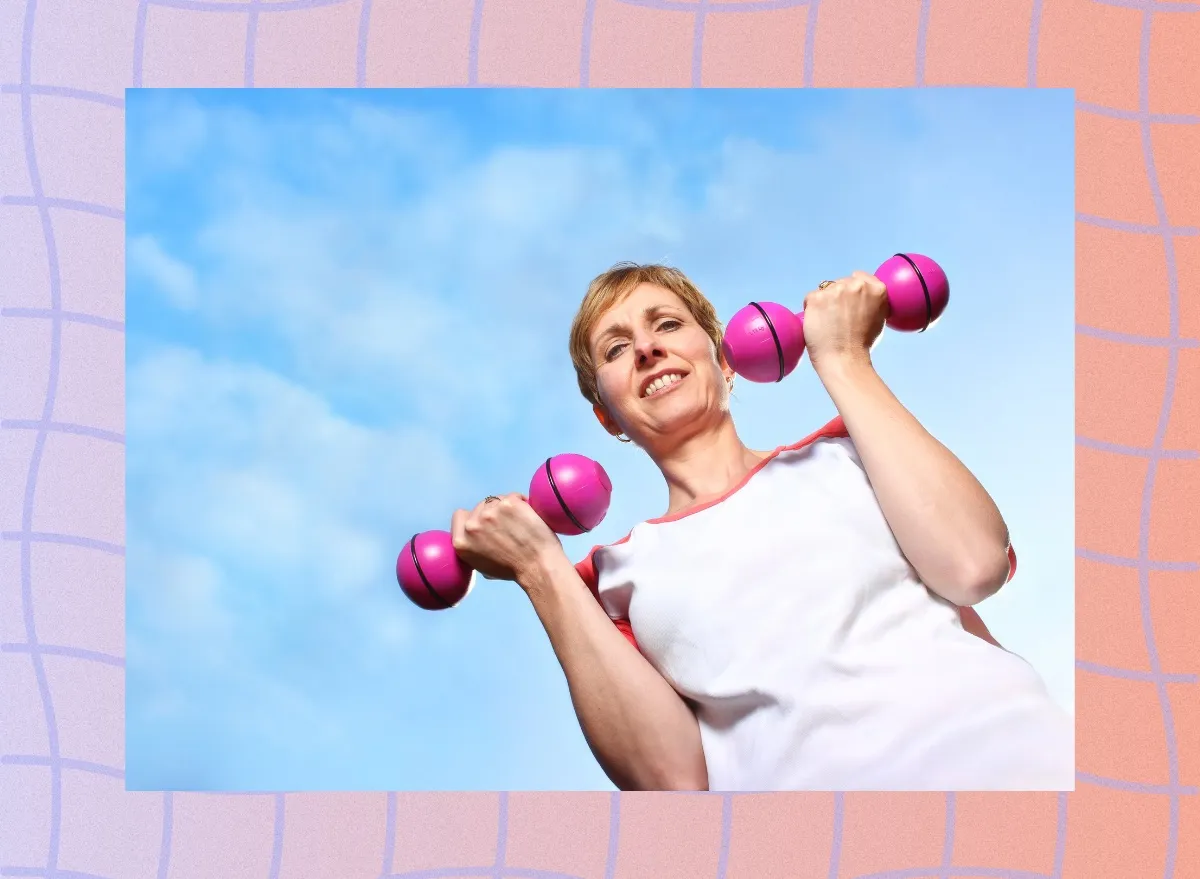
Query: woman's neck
[705, 466]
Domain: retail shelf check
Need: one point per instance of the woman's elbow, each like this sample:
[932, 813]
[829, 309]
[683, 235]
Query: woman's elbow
[689, 774]
[981, 577]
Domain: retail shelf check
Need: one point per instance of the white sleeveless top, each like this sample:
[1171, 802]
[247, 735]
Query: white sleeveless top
[812, 655]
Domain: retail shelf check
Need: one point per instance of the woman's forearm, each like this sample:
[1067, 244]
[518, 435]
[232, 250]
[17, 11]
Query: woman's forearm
[945, 522]
[640, 730]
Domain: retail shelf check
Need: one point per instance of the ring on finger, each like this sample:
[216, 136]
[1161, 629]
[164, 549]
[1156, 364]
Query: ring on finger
[490, 498]
[824, 284]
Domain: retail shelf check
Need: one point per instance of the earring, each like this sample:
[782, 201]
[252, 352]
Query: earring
[623, 439]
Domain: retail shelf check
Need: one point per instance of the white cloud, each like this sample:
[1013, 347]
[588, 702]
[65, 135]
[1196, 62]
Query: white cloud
[173, 129]
[237, 471]
[174, 279]
[183, 592]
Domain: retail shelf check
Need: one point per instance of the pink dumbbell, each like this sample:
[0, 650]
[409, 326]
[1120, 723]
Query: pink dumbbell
[570, 493]
[765, 340]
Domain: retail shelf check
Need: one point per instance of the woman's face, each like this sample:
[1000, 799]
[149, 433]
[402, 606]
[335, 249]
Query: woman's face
[657, 372]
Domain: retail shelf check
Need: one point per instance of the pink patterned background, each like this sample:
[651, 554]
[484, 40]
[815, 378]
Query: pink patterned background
[64, 65]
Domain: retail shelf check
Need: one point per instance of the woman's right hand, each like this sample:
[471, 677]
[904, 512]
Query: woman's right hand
[503, 539]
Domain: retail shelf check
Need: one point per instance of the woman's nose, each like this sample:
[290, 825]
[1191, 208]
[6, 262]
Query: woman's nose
[647, 349]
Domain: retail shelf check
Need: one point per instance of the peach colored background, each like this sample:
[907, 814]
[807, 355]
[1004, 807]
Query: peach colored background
[63, 67]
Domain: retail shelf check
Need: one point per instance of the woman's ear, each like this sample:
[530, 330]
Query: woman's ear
[726, 369]
[606, 420]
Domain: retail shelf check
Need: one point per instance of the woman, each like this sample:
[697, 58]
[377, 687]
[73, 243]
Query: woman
[797, 618]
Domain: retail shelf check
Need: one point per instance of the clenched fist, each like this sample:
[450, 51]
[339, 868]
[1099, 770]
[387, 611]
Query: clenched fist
[503, 538]
[844, 319]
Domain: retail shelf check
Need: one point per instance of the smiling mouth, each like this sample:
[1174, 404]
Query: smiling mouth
[660, 386]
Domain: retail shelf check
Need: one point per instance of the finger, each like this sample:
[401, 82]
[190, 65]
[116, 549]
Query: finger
[458, 531]
[480, 507]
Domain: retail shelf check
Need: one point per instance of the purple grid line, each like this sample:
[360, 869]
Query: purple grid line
[1131, 339]
[501, 833]
[810, 39]
[922, 36]
[1174, 791]
[614, 835]
[1137, 228]
[35, 459]
[701, 6]
[41, 871]
[66, 317]
[28, 537]
[585, 45]
[456, 872]
[982, 872]
[139, 41]
[69, 204]
[389, 836]
[726, 835]
[1060, 838]
[247, 6]
[277, 845]
[1168, 399]
[64, 650]
[64, 427]
[1130, 674]
[948, 838]
[364, 29]
[473, 43]
[251, 40]
[691, 5]
[164, 852]
[835, 847]
[1136, 115]
[1035, 27]
[221, 794]
[63, 763]
[60, 91]
[1135, 451]
[1123, 562]
[1151, 6]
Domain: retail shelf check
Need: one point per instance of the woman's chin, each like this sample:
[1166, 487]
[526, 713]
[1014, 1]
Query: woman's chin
[672, 419]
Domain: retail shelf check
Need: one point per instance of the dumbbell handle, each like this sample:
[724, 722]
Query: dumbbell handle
[924, 290]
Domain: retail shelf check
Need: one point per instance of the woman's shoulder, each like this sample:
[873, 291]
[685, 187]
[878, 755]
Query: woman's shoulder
[834, 429]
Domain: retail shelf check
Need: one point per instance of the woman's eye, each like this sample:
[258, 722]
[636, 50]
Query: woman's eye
[613, 352]
[669, 324]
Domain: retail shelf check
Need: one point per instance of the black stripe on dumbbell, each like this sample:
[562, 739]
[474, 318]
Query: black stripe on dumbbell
[412, 549]
[924, 288]
[562, 503]
[774, 335]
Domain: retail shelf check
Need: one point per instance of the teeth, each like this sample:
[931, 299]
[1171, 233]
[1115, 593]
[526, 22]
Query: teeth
[660, 383]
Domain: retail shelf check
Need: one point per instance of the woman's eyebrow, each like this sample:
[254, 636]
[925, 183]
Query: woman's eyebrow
[648, 313]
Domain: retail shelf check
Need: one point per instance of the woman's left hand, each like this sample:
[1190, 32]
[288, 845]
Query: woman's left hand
[844, 319]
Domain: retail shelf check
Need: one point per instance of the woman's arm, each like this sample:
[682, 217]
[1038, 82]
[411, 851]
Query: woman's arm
[945, 522]
[639, 729]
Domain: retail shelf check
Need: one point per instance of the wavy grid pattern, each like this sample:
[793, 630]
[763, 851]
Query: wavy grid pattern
[63, 67]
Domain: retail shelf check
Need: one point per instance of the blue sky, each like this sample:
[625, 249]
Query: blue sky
[348, 315]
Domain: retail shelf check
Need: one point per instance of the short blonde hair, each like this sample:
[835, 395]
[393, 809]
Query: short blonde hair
[612, 287]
